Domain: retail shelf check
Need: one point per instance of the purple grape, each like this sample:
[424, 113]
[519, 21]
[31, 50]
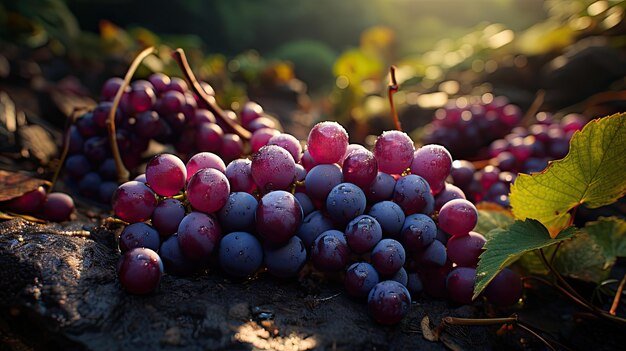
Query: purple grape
[433, 163]
[250, 112]
[360, 278]
[489, 176]
[260, 123]
[30, 202]
[140, 271]
[381, 188]
[209, 137]
[349, 149]
[360, 168]
[139, 235]
[413, 195]
[287, 260]
[390, 216]
[141, 178]
[320, 180]
[363, 233]
[177, 84]
[433, 255]
[202, 116]
[238, 213]
[313, 226]
[505, 289]
[273, 168]
[239, 174]
[149, 125]
[394, 151]
[167, 216]
[572, 122]
[204, 160]
[345, 202]
[450, 192]
[307, 161]
[141, 96]
[76, 141]
[198, 236]
[330, 251]
[240, 254]
[232, 147]
[460, 285]
[462, 173]
[171, 102]
[159, 81]
[327, 142]
[434, 279]
[278, 217]
[174, 261]
[388, 302]
[261, 137]
[388, 256]
[110, 88]
[86, 126]
[289, 143]
[166, 174]
[101, 114]
[418, 232]
[458, 217]
[465, 249]
[207, 190]
[134, 202]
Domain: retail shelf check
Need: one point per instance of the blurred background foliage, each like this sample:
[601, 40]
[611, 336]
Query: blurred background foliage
[336, 52]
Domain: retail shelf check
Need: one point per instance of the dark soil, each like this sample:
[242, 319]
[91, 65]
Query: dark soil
[59, 291]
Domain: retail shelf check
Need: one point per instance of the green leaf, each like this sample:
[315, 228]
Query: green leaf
[507, 245]
[609, 233]
[489, 219]
[581, 258]
[592, 173]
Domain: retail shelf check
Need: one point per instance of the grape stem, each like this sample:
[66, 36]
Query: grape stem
[393, 88]
[513, 320]
[529, 116]
[122, 172]
[618, 294]
[181, 59]
[66, 147]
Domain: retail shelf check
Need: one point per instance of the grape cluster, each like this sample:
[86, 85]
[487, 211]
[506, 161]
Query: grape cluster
[466, 125]
[524, 150]
[54, 206]
[368, 215]
[162, 109]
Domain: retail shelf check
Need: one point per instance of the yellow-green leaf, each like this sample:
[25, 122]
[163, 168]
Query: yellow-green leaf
[507, 245]
[593, 173]
[609, 233]
[489, 219]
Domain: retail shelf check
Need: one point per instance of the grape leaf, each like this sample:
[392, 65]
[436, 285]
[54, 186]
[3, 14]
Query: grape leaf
[14, 184]
[507, 245]
[489, 219]
[609, 233]
[581, 258]
[592, 173]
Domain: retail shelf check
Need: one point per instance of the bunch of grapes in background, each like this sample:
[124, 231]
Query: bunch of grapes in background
[524, 150]
[369, 216]
[467, 125]
[53, 206]
[161, 109]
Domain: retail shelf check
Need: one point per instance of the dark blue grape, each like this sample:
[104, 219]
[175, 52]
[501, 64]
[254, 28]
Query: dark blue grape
[414, 283]
[433, 255]
[345, 201]
[418, 232]
[174, 261]
[388, 256]
[312, 226]
[238, 213]
[305, 202]
[400, 276]
[96, 149]
[390, 216]
[363, 233]
[89, 186]
[139, 235]
[240, 254]
[167, 217]
[388, 302]
[285, 261]
[412, 193]
[360, 278]
[321, 179]
[77, 166]
[330, 251]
